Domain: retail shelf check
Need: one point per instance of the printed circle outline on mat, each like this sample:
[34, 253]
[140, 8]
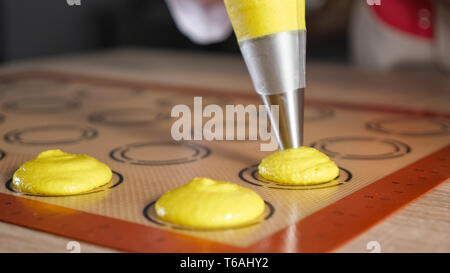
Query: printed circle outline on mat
[315, 113]
[396, 148]
[150, 214]
[108, 117]
[9, 87]
[116, 180]
[250, 175]
[441, 127]
[197, 152]
[83, 133]
[87, 93]
[44, 104]
[2, 154]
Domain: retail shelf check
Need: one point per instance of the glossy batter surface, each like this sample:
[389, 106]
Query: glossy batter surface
[55, 172]
[256, 18]
[206, 203]
[301, 166]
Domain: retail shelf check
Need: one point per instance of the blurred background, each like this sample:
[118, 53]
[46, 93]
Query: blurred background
[382, 34]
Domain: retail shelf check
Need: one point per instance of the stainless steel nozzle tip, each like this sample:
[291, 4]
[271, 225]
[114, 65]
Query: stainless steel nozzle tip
[288, 123]
[276, 64]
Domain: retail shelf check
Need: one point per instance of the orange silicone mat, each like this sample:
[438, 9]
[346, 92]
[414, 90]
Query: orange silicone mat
[388, 157]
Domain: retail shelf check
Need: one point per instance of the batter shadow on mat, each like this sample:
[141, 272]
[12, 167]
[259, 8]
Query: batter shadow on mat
[251, 176]
[116, 180]
[150, 214]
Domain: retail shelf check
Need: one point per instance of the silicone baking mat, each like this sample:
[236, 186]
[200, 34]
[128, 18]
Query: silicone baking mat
[387, 159]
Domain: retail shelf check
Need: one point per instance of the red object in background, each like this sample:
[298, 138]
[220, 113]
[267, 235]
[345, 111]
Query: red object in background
[415, 17]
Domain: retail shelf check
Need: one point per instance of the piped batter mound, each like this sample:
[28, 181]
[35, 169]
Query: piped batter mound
[55, 172]
[206, 203]
[301, 166]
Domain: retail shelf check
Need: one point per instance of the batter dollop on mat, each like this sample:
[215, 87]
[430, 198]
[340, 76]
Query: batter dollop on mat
[206, 203]
[55, 172]
[301, 166]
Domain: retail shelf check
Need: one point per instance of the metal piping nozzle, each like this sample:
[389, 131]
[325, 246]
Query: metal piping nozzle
[289, 124]
[276, 63]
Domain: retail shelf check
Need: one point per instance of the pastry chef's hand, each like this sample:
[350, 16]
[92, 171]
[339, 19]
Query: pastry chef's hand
[203, 21]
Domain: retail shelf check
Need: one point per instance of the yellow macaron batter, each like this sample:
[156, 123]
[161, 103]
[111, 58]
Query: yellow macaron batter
[256, 18]
[301, 166]
[206, 203]
[55, 172]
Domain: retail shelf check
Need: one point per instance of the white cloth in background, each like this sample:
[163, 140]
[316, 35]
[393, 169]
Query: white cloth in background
[377, 45]
[373, 44]
[203, 21]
